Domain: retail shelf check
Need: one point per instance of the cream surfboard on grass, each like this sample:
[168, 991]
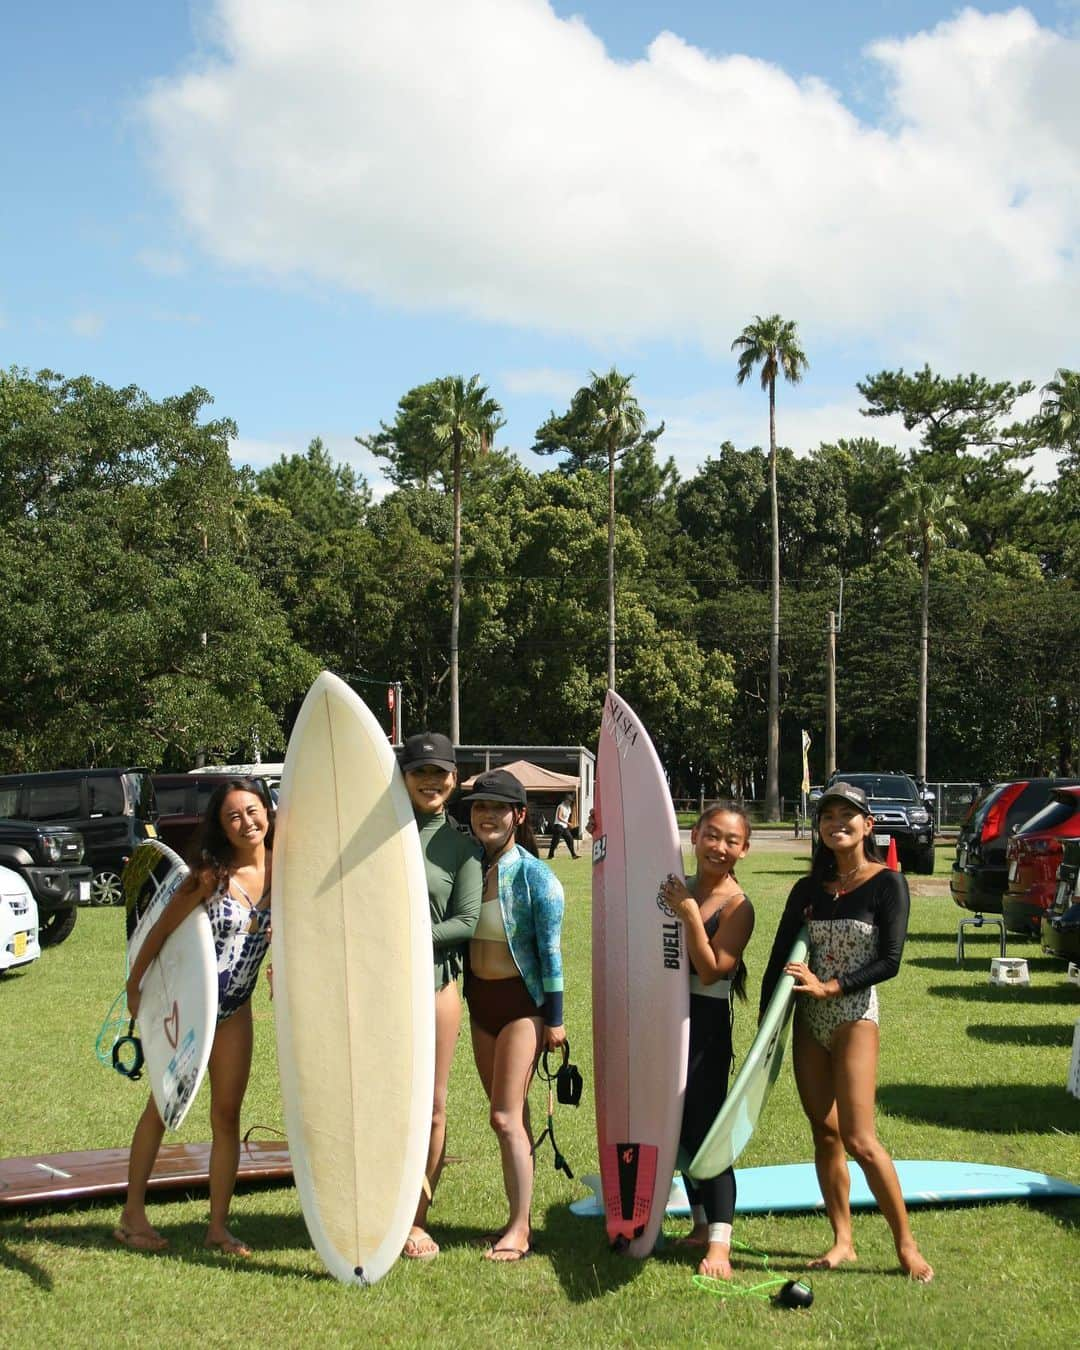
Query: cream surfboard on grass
[641, 985]
[178, 997]
[353, 987]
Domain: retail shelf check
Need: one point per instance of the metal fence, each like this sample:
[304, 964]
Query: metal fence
[951, 803]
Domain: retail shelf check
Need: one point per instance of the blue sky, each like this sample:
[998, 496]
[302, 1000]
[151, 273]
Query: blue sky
[307, 209]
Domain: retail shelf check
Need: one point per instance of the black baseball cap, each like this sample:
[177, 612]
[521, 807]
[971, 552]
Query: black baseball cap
[428, 747]
[845, 792]
[497, 786]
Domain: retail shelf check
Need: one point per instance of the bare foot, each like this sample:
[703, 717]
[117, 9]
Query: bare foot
[716, 1261]
[420, 1246]
[228, 1245]
[837, 1254]
[915, 1264]
[139, 1239]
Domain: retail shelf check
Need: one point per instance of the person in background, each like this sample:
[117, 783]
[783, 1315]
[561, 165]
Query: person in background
[560, 828]
[454, 879]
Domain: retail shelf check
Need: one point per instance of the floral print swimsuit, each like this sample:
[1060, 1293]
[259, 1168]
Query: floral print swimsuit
[839, 947]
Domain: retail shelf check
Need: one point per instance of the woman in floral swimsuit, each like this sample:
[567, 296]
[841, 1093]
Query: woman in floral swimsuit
[856, 910]
[231, 877]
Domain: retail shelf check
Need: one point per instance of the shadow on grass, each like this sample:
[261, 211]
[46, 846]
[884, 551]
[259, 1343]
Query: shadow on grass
[1000, 1108]
[989, 993]
[579, 1255]
[978, 962]
[999, 1035]
[19, 1265]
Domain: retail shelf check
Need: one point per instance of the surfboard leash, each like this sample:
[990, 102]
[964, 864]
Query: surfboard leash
[567, 1079]
[790, 1293]
[114, 1042]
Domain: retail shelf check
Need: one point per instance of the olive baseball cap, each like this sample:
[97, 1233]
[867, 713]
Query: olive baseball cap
[844, 792]
[428, 747]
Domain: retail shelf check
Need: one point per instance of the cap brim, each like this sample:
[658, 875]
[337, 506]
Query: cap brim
[493, 797]
[446, 764]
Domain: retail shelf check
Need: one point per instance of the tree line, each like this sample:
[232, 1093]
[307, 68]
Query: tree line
[163, 604]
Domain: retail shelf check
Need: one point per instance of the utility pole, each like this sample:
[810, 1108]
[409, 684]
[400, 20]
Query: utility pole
[830, 695]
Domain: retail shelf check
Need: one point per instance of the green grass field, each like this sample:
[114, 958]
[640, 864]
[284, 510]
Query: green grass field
[968, 1072]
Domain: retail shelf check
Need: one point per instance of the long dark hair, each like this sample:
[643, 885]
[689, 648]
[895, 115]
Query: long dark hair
[718, 808]
[823, 861]
[212, 851]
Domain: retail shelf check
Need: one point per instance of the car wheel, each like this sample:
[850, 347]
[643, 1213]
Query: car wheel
[57, 925]
[924, 860]
[105, 889]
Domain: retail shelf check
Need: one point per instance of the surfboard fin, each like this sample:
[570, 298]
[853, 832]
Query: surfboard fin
[628, 1172]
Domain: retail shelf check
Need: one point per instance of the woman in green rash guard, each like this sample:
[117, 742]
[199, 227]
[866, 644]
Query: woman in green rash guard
[455, 881]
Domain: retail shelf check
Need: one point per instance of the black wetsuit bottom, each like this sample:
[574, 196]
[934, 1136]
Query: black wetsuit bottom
[707, 1074]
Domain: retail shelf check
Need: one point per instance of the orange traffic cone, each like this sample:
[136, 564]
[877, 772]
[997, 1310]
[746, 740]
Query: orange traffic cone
[892, 858]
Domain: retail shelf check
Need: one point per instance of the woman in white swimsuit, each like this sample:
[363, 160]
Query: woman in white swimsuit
[232, 879]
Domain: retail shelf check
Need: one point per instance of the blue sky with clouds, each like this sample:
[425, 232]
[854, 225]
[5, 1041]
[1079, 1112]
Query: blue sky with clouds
[309, 208]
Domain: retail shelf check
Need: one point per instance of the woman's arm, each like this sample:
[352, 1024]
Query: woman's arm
[546, 899]
[190, 894]
[892, 903]
[463, 907]
[791, 921]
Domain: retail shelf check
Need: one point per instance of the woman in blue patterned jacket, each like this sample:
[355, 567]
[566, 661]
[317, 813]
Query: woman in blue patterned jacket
[513, 985]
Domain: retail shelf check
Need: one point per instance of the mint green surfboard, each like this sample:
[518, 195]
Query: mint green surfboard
[738, 1117]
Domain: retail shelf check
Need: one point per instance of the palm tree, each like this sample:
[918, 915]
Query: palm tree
[925, 513]
[772, 343]
[1060, 410]
[464, 420]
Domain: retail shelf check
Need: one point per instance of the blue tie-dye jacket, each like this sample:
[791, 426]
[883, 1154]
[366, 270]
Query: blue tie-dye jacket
[531, 902]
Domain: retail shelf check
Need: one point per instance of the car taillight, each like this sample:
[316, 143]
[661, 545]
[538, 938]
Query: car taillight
[1040, 846]
[994, 824]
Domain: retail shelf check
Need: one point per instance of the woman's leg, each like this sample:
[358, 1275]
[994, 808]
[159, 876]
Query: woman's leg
[134, 1229]
[447, 1026]
[230, 1066]
[855, 1060]
[517, 1048]
[814, 1079]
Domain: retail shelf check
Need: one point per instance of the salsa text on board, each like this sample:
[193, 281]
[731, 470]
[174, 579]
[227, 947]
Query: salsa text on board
[620, 726]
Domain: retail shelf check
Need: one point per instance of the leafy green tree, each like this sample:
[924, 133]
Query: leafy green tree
[603, 424]
[321, 496]
[926, 514]
[1059, 414]
[773, 344]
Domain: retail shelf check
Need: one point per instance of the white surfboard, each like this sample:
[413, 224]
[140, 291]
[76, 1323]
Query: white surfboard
[641, 982]
[738, 1117]
[354, 993]
[178, 1000]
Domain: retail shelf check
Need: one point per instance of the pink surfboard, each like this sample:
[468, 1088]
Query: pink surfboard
[641, 986]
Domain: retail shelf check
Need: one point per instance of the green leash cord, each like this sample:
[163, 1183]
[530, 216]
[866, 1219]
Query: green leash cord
[710, 1284]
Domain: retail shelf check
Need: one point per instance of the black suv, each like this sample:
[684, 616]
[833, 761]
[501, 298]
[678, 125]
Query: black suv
[113, 809]
[900, 812]
[49, 859]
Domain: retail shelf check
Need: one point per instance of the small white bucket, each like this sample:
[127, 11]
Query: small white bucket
[1074, 973]
[1009, 970]
[1073, 1085]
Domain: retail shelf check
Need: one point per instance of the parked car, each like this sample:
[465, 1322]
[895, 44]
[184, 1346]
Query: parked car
[1060, 933]
[980, 870]
[49, 858]
[113, 809]
[18, 922]
[181, 801]
[1034, 854]
[900, 812]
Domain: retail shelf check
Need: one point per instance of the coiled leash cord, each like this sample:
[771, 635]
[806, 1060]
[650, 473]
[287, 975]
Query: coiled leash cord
[115, 1048]
[567, 1080]
[791, 1293]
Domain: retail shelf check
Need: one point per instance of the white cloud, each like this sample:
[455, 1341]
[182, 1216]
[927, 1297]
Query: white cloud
[490, 158]
[342, 448]
[557, 384]
[161, 262]
[86, 325]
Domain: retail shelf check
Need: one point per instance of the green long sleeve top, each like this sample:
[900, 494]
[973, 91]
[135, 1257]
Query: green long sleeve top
[455, 881]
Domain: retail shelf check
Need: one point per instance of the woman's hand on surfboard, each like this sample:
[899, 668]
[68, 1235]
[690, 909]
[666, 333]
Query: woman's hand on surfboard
[806, 982]
[554, 1037]
[674, 894]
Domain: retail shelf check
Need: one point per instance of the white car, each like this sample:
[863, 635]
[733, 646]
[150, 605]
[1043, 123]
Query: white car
[18, 921]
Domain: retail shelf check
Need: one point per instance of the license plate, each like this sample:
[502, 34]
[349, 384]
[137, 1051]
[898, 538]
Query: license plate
[84, 891]
[18, 947]
[151, 832]
[1013, 866]
[1061, 898]
[961, 857]
[882, 840]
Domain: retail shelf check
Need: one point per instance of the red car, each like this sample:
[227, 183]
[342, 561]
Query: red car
[1034, 854]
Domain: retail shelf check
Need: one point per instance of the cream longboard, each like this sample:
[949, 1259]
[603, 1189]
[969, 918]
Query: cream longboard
[353, 986]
